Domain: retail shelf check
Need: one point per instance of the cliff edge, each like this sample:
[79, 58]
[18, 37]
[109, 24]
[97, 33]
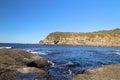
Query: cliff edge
[100, 38]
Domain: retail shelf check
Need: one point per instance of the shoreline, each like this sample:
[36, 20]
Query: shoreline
[21, 62]
[79, 45]
[33, 69]
[61, 44]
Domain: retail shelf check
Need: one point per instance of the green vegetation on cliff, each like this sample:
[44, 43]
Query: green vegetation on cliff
[100, 38]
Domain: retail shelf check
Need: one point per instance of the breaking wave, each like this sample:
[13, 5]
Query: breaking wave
[36, 52]
[117, 52]
[5, 47]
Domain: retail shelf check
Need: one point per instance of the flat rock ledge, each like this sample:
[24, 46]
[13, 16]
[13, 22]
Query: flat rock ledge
[16, 62]
[108, 72]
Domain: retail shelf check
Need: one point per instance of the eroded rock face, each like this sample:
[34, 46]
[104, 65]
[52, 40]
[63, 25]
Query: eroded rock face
[100, 38]
[14, 62]
[109, 72]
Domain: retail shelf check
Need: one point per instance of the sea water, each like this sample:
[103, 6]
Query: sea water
[68, 60]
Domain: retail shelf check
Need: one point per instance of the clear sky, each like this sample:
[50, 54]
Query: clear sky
[28, 21]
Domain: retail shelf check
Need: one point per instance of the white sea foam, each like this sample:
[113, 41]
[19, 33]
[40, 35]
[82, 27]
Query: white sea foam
[36, 52]
[69, 72]
[41, 53]
[70, 63]
[117, 52]
[5, 47]
[52, 63]
[28, 50]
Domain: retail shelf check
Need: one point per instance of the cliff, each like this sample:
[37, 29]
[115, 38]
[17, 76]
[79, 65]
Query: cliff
[100, 38]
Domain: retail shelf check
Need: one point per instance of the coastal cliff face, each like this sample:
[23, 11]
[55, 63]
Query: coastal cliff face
[100, 38]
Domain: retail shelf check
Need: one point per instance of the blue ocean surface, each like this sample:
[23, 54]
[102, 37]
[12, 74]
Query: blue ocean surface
[68, 60]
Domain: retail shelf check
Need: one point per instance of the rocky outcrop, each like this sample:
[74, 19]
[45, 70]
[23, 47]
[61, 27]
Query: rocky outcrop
[15, 62]
[109, 72]
[32, 70]
[100, 38]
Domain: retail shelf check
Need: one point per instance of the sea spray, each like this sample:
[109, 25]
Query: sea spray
[52, 63]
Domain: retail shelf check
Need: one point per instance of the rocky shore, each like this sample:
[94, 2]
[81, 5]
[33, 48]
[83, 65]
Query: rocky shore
[15, 62]
[15, 65]
[108, 72]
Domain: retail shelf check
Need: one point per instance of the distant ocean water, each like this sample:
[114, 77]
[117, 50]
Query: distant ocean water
[68, 60]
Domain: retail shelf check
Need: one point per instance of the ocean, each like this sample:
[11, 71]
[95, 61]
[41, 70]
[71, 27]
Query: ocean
[69, 60]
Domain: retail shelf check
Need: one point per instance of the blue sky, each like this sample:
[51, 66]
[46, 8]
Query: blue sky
[28, 21]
